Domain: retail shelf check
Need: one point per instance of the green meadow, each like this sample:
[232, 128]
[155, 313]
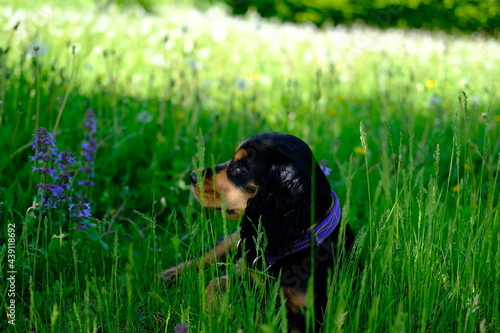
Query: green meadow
[409, 122]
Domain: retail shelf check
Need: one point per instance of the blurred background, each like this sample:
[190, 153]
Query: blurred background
[465, 16]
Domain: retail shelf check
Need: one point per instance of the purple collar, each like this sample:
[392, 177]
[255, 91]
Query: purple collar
[320, 232]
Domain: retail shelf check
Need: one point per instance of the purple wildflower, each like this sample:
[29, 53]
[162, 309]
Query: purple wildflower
[43, 140]
[54, 189]
[86, 182]
[181, 328]
[326, 170]
[58, 165]
[64, 160]
[50, 193]
[44, 170]
[45, 149]
[64, 179]
[80, 227]
[79, 210]
[44, 145]
[90, 122]
[88, 148]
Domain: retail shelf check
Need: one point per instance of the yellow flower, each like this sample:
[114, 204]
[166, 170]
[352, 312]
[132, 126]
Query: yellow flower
[431, 84]
[332, 112]
[497, 118]
[252, 76]
[456, 188]
[359, 150]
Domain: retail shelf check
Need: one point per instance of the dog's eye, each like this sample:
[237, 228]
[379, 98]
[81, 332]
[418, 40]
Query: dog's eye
[236, 171]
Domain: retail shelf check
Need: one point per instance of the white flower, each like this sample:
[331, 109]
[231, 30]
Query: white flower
[36, 49]
[434, 100]
[241, 84]
[474, 100]
[195, 65]
[144, 117]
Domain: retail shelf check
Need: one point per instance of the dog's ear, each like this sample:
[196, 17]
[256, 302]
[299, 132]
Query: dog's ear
[283, 204]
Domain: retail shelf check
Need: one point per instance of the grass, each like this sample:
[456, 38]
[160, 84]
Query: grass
[408, 121]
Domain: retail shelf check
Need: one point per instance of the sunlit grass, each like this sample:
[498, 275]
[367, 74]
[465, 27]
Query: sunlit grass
[179, 90]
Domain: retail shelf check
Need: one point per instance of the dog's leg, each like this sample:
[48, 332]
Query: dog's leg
[215, 289]
[295, 301]
[213, 255]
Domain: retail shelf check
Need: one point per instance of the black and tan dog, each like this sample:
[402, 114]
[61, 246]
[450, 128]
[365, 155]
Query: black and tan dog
[274, 181]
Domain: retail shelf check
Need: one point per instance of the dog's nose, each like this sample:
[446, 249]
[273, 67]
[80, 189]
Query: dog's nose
[194, 179]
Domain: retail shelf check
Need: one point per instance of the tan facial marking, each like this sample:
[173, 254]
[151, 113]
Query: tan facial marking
[240, 154]
[219, 189]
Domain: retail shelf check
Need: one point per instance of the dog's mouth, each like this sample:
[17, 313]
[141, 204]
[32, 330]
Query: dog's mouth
[228, 211]
[231, 213]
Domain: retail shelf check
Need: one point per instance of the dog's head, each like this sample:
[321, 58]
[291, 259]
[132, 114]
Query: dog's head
[273, 179]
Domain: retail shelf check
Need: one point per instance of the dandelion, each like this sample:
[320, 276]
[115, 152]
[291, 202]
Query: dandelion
[253, 76]
[241, 84]
[144, 117]
[266, 80]
[456, 188]
[219, 33]
[431, 84]
[36, 49]
[359, 150]
[434, 100]
[193, 64]
[474, 100]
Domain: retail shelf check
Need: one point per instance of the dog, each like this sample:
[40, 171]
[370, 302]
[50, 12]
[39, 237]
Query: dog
[273, 184]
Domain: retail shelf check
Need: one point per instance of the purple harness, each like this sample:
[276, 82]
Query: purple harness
[320, 232]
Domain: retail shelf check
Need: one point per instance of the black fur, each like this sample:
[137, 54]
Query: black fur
[283, 167]
[293, 193]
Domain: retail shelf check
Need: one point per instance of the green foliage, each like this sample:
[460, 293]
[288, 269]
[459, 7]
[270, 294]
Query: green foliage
[463, 15]
[416, 169]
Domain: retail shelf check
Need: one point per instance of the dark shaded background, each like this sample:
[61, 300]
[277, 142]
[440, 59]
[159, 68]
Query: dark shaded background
[464, 16]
